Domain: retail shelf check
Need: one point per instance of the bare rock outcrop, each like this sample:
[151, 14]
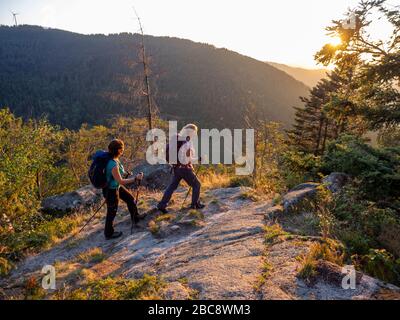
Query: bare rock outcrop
[298, 194]
[71, 202]
[156, 177]
[336, 181]
[236, 248]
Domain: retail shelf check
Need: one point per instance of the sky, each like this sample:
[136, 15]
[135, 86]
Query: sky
[285, 31]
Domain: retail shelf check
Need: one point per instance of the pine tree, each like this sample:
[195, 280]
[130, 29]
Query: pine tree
[329, 110]
[379, 77]
[312, 126]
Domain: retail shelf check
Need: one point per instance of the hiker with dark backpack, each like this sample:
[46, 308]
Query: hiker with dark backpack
[106, 172]
[183, 170]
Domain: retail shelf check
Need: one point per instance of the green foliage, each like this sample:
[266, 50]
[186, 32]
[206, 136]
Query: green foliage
[81, 144]
[39, 236]
[361, 226]
[380, 264]
[363, 217]
[389, 136]
[27, 153]
[30, 154]
[355, 241]
[377, 170]
[269, 148]
[299, 167]
[39, 160]
[329, 111]
[323, 206]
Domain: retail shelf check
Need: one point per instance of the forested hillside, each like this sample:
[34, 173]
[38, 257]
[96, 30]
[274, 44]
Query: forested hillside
[74, 79]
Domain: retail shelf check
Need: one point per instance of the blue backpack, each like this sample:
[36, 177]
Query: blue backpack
[97, 170]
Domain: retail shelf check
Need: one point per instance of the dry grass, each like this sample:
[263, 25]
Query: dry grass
[215, 180]
[266, 271]
[273, 233]
[148, 287]
[153, 227]
[93, 255]
[327, 251]
[249, 195]
[165, 217]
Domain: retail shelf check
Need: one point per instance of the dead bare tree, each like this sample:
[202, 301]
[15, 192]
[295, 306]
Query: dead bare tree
[144, 61]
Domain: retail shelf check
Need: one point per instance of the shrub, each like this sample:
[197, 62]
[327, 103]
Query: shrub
[377, 169]
[300, 167]
[39, 160]
[380, 264]
[361, 222]
[355, 242]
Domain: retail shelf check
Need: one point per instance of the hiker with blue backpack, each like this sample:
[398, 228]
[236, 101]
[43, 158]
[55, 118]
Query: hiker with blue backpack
[183, 169]
[107, 172]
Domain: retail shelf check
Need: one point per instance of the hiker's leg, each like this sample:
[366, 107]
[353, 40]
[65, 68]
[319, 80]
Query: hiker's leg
[190, 177]
[111, 196]
[170, 189]
[128, 198]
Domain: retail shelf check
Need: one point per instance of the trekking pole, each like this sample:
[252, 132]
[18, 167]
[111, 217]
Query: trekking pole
[137, 191]
[136, 201]
[190, 188]
[91, 218]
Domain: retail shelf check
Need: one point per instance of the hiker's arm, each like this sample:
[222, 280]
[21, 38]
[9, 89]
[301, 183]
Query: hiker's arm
[191, 155]
[120, 180]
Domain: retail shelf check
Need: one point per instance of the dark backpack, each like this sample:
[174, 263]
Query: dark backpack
[97, 170]
[179, 144]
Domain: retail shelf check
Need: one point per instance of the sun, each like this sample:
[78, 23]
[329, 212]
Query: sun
[335, 41]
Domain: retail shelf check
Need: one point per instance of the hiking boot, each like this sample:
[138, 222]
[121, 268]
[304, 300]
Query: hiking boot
[115, 235]
[197, 206]
[163, 210]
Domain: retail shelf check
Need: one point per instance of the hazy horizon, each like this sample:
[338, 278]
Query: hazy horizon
[287, 32]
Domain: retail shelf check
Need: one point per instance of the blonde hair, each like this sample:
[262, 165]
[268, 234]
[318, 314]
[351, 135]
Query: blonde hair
[188, 127]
